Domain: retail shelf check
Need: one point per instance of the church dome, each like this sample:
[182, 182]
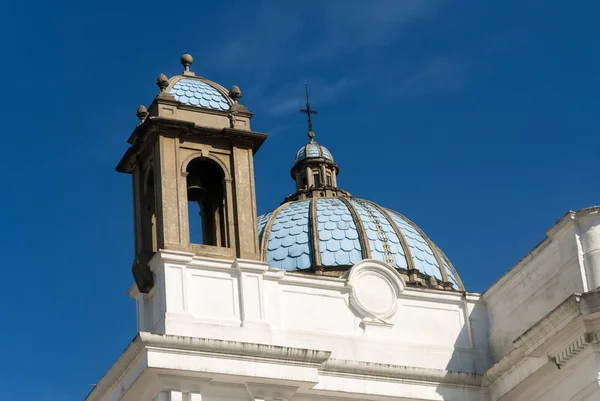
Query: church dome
[194, 91]
[333, 233]
[313, 150]
[323, 229]
[191, 90]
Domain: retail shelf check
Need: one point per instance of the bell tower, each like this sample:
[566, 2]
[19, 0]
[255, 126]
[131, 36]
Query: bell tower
[191, 161]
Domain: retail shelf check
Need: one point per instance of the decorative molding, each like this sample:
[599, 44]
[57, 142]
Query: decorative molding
[247, 265]
[269, 392]
[557, 326]
[118, 370]
[570, 351]
[375, 289]
[590, 302]
[313, 281]
[587, 211]
[407, 252]
[549, 325]
[400, 372]
[297, 356]
[360, 228]
[234, 348]
[574, 348]
[503, 366]
[314, 235]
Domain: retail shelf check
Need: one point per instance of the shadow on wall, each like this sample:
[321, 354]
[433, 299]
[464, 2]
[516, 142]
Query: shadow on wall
[469, 359]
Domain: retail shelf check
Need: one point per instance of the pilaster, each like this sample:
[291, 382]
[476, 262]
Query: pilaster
[589, 225]
[243, 172]
[251, 288]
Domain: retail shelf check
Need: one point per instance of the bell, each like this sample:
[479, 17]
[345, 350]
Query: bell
[195, 191]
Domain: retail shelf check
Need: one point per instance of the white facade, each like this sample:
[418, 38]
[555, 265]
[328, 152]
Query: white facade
[215, 323]
[214, 329]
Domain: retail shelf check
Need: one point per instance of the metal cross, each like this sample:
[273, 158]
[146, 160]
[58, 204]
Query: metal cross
[308, 111]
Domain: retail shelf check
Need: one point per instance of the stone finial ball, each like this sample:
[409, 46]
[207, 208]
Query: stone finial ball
[162, 81]
[141, 112]
[235, 93]
[186, 60]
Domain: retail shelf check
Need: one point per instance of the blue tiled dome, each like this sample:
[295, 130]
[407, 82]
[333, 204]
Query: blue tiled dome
[198, 92]
[313, 149]
[347, 230]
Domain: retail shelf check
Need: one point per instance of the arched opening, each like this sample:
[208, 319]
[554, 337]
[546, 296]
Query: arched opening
[148, 212]
[316, 178]
[206, 203]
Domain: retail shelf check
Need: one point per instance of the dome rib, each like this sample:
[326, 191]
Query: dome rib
[338, 235]
[432, 246]
[450, 266]
[314, 235]
[362, 233]
[399, 233]
[385, 244]
[267, 230]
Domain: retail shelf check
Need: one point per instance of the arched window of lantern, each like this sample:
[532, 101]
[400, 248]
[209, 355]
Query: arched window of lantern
[207, 209]
[329, 182]
[316, 178]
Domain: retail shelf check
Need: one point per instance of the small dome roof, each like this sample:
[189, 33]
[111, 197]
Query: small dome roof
[199, 92]
[345, 231]
[313, 150]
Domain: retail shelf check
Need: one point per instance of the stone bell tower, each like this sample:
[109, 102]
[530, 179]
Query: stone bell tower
[191, 160]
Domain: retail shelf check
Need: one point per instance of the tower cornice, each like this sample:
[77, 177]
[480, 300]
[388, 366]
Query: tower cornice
[152, 126]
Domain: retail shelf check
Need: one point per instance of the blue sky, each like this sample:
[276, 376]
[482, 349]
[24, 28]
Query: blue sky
[477, 120]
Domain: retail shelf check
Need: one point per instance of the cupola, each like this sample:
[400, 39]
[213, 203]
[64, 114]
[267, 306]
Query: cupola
[314, 171]
[322, 229]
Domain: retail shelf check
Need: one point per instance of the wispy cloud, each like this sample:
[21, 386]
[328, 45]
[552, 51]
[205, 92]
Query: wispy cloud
[339, 45]
[280, 34]
[356, 25]
[437, 75]
[286, 98]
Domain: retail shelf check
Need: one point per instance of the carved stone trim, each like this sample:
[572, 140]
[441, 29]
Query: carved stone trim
[434, 249]
[144, 340]
[549, 325]
[399, 372]
[362, 235]
[237, 348]
[590, 301]
[407, 253]
[451, 266]
[269, 392]
[314, 235]
[375, 289]
[571, 351]
[203, 155]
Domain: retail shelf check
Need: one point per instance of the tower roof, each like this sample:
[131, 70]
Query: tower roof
[313, 150]
[192, 90]
[199, 92]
